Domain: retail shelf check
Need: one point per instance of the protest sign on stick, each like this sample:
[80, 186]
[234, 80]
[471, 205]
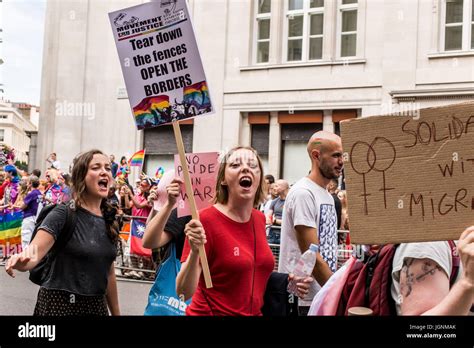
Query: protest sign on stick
[160, 63]
[409, 178]
[203, 169]
[192, 202]
[163, 73]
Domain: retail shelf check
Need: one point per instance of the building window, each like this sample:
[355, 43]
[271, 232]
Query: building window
[472, 25]
[260, 135]
[260, 142]
[2, 134]
[3, 117]
[263, 31]
[160, 146]
[295, 162]
[341, 115]
[304, 33]
[348, 26]
[458, 25]
[296, 129]
[260, 138]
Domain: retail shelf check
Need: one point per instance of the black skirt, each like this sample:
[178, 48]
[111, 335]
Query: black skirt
[63, 303]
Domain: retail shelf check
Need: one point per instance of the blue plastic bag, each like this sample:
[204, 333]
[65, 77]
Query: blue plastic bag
[163, 299]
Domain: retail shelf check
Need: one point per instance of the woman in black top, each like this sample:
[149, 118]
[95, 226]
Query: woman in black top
[164, 226]
[81, 280]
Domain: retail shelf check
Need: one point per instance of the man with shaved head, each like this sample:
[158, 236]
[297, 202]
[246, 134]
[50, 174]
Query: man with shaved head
[309, 215]
[275, 212]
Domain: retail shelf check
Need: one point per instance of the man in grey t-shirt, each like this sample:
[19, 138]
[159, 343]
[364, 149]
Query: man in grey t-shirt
[309, 215]
[275, 212]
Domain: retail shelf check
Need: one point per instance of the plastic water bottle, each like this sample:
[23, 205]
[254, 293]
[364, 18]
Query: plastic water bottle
[304, 267]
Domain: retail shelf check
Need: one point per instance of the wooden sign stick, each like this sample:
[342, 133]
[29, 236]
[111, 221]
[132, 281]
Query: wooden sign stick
[192, 202]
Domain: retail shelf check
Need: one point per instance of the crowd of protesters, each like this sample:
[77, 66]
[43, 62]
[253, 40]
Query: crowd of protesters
[28, 193]
[250, 212]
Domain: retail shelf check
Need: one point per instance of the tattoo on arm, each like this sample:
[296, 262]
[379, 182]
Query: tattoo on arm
[429, 268]
[406, 287]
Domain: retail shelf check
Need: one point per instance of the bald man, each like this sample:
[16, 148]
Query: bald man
[275, 212]
[309, 215]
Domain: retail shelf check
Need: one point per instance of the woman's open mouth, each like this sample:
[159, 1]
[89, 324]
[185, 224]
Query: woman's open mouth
[104, 185]
[245, 182]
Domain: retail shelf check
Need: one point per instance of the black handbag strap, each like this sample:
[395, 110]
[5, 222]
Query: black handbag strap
[254, 261]
[66, 232]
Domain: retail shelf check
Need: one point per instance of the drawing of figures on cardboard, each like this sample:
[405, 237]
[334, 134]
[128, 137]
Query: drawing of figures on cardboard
[160, 63]
[410, 179]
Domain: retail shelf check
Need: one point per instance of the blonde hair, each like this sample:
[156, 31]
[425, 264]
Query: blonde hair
[222, 192]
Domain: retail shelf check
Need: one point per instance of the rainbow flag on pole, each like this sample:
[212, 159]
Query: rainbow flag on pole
[137, 159]
[10, 230]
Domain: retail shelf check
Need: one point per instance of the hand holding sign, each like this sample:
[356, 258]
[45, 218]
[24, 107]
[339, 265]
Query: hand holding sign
[192, 202]
[174, 190]
[165, 78]
[196, 235]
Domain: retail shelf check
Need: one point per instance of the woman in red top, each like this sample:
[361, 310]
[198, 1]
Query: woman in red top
[240, 260]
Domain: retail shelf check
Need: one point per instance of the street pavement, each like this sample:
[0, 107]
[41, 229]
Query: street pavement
[18, 295]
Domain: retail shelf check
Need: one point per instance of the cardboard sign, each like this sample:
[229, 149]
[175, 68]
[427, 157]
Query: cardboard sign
[203, 168]
[160, 62]
[410, 179]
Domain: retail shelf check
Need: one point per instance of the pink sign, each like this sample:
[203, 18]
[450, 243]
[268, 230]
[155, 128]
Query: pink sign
[203, 168]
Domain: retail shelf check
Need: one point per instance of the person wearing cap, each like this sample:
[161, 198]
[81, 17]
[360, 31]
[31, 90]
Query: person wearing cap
[11, 188]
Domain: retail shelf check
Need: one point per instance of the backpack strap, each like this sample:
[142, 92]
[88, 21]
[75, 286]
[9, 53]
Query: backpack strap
[456, 260]
[66, 232]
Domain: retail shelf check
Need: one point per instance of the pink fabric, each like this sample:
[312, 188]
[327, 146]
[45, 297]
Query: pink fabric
[326, 300]
[141, 211]
[162, 193]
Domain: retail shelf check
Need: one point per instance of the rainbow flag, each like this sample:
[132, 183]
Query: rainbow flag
[197, 95]
[10, 229]
[137, 159]
[151, 111]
